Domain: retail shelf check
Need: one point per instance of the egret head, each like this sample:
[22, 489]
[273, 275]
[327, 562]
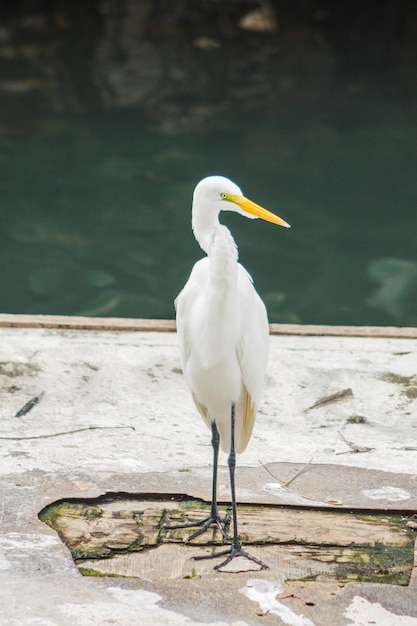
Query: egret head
[217, 193]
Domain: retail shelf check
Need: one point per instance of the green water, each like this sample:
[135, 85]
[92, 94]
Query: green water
[95, 196]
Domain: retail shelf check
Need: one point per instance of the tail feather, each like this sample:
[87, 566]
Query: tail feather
[248, 421]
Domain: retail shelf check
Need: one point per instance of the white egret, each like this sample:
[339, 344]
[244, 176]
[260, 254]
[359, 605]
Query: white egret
[223, 333]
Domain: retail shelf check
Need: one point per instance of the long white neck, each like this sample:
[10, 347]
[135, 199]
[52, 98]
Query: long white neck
[223, 256]
[219, 315]
[217, 242]
[204, 223]
[218, 338]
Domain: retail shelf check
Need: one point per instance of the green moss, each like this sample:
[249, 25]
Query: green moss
[192, 575]
[88, 571]
[50, 514]
[378, 564]
[344, 561]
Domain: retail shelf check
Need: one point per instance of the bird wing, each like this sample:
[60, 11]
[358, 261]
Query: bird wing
[184, 304]
[252, 350]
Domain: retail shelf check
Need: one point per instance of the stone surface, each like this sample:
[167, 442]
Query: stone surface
[116, 416]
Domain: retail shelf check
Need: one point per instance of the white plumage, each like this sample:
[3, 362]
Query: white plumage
[223, 332]
[221, 320]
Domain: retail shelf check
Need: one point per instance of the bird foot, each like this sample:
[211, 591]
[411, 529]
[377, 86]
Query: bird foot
[235, 550]
[214, 518]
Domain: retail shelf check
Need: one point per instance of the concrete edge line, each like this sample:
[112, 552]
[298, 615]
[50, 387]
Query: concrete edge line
[68, 322]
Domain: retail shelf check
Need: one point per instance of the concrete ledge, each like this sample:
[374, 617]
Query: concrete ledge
[116, 416]
[130, 324]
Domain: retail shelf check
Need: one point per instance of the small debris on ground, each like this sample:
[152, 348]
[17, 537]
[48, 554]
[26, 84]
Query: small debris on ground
[29, 405]
[338, 396]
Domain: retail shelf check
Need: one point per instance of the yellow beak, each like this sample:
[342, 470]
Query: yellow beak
[255, 210]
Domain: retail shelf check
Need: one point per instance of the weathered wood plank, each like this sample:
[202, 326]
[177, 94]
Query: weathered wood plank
[339, 544]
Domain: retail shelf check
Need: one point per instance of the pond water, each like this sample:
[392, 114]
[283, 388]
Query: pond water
[100, 149]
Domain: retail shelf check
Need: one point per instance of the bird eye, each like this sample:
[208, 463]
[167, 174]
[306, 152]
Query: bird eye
[223, 196]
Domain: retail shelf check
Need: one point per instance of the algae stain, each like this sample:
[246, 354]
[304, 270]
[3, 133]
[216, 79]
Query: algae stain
[97, 529]
[54, 512]
[88, 571]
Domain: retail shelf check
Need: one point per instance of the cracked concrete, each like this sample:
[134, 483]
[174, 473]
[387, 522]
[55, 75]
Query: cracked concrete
[116, 416]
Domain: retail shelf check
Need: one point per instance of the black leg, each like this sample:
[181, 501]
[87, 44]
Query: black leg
[236, 547]
[214, 517]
